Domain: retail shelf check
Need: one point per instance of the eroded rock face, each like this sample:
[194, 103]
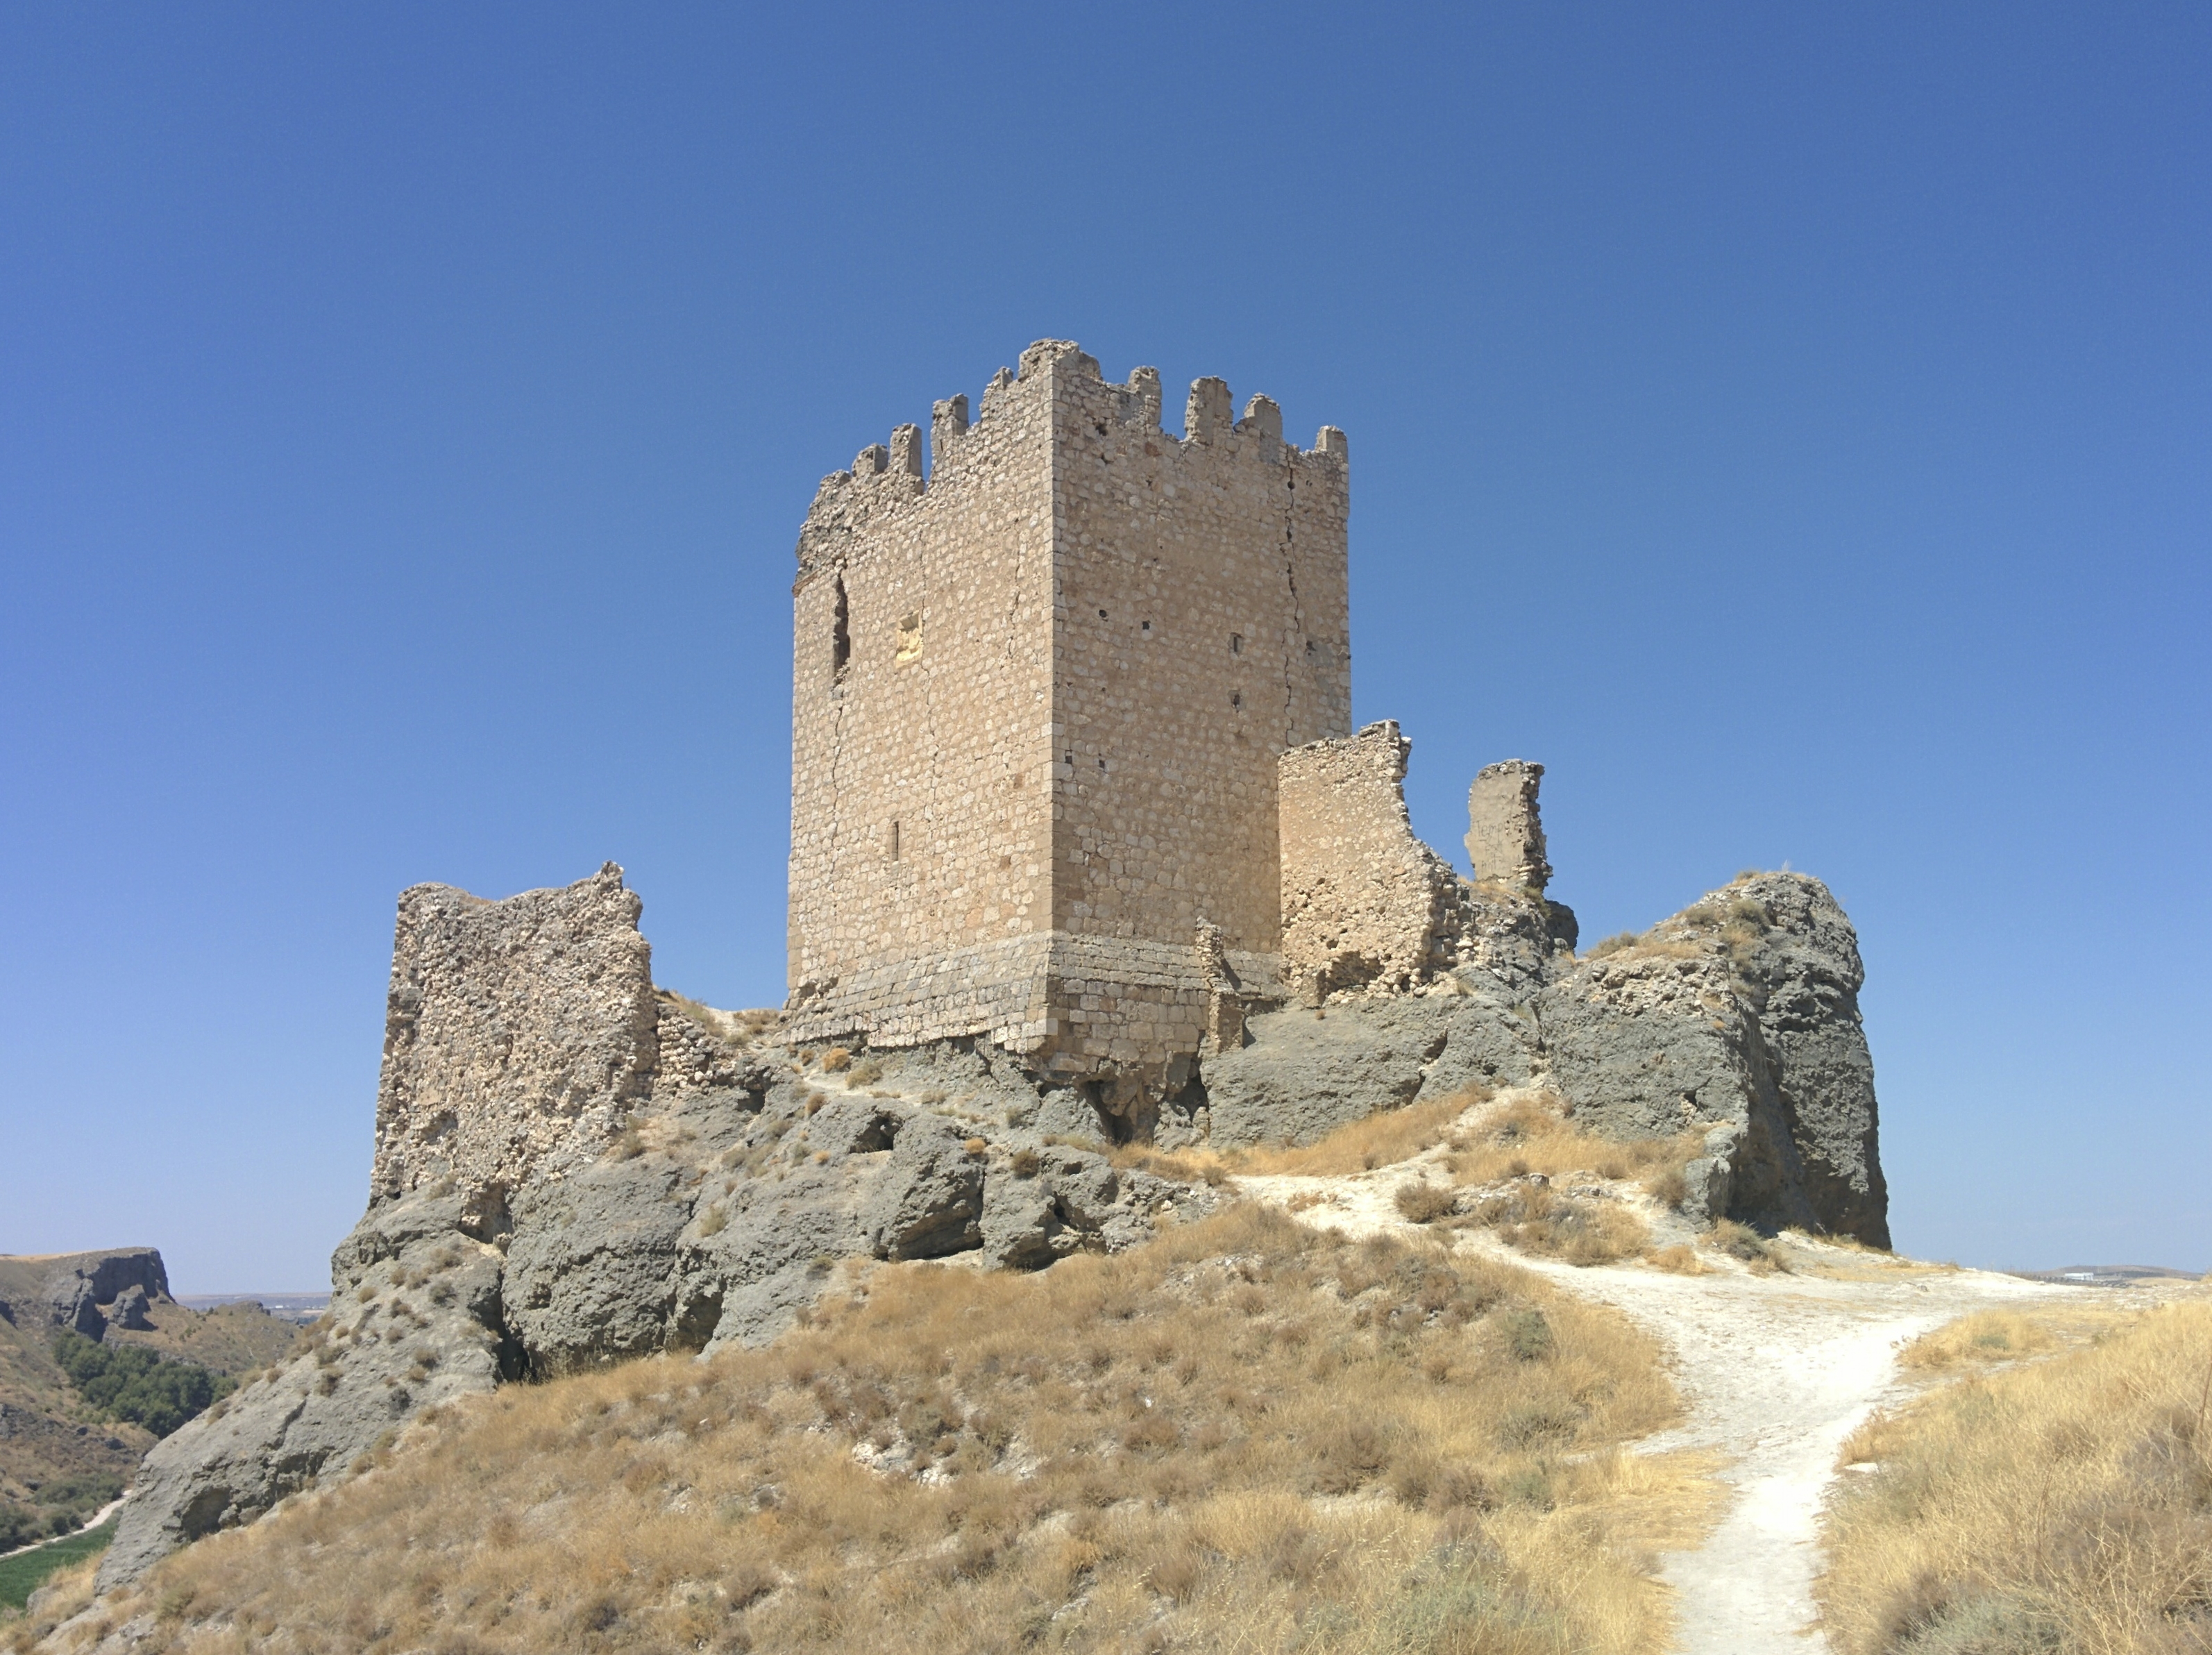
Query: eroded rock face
[82, 1290]
[414, 1320]
[1737, 1018]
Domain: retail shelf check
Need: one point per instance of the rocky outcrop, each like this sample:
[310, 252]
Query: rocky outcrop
[1738, 1017]
[414, 1320]
[80, 1287]
[667, 1184]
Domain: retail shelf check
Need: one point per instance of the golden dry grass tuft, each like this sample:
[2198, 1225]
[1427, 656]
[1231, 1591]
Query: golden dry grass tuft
[1245, 1435]
[1979, 1340]
[1382, 1139]
[1534, 1134]
[2064, 1505]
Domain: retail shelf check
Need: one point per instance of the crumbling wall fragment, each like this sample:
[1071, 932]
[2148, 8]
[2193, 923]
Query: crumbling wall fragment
[517, 1033]
[1504, 834]
[1365, 904]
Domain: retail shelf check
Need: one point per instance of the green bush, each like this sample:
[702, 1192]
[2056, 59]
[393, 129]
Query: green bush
[136, 1385]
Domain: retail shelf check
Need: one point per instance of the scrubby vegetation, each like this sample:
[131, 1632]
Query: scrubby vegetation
[62, 1506]
[135, 1385]
[1247, 1434]
[2062, 1504]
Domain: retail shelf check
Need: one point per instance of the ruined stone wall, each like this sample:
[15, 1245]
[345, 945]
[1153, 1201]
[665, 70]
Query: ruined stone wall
[516, 1034]
[1062, 666]
[1365, 903]
[1504, 834]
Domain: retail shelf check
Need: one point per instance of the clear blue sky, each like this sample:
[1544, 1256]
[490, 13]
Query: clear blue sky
[1789, 424]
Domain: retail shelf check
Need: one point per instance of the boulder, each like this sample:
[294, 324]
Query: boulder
[591, 1267]
[929, 1201]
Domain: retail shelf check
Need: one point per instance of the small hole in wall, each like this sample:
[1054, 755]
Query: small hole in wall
[1235, 644]
[840, 635]
[1309, 645]
[1236, 699]
[1101, 614]
[895, 841]
[1068, 759]
[1146, 627]
[1006, 861]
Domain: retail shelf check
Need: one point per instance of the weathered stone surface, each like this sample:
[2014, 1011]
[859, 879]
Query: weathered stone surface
[1741, 1011]
[929, 1201]
[414, 1320]
[1365, 904]
[517, 1035]
[590, 1269]
[1304, 1076]
[1505, 832]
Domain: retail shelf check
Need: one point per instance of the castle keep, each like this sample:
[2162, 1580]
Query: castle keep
[1038, 701]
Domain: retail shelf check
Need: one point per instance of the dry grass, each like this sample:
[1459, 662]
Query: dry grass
[1985, 1338]
[1382, 1139]
[1246, 1435]
[2063, 1505]
[1534, 1134]
[1538, 1219]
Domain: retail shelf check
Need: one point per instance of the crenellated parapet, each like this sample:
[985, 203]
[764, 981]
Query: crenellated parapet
[889, 480]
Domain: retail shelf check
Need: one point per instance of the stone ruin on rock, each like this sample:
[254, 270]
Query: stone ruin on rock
[1074, 780]
[1084, 846]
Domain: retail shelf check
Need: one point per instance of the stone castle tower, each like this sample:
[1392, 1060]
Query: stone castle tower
[1039, 697]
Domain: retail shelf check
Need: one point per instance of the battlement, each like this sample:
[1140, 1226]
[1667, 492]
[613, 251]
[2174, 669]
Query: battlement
[1055, 377]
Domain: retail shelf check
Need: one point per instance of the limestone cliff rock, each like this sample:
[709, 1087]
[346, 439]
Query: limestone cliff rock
[1739, 1015]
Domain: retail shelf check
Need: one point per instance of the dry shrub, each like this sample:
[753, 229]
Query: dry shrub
[1984, 1338]
[1534, 1134]
[866, 1073]
[1535, 1218]
[2062, 1504]
[1678, 1260]
[1425, 1203]
[1742, 1241]
[836, 1058]
[1146, 1450]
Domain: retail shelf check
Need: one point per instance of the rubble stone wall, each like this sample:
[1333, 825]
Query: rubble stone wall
[516, 1034]
[1504, 834]
[1364, 904]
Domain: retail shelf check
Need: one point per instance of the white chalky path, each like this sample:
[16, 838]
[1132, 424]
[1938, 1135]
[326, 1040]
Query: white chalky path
[1776, 1371]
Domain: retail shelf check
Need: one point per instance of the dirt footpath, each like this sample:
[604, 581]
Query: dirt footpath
[1776, 1371]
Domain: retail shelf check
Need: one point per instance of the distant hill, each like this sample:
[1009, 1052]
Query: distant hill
[2109, 1275]
[61, 1457]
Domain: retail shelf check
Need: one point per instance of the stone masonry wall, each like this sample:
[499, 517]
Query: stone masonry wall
[1364, 901]
[516, 1034]
[1504, 834]
[1037, 700]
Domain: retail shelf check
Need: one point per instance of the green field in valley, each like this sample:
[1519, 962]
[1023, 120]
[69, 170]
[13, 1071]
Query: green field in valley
[23, 1573]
